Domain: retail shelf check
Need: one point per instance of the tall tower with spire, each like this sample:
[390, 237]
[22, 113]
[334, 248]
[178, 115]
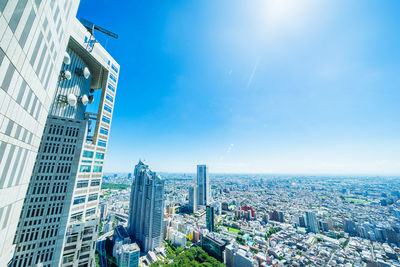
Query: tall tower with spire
[146, 208]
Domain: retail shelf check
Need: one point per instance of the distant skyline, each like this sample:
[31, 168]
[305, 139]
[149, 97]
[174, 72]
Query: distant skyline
[308, 87]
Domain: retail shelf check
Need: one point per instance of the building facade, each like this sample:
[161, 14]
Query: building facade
[193, 198]
[203, 183]
[312, 223]
[244, 258]
[214, 246]
[128, 255]
[146, 208]
[59, 221]
[33, 39]
[210, 218]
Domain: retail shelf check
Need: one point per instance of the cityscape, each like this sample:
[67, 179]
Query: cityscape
[66, 201]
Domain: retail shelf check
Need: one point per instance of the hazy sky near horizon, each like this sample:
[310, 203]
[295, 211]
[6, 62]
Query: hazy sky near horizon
[259, 86]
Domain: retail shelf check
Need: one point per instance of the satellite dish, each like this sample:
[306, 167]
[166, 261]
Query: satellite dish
[84, 100]
[67, 59]
[68, 75]
[86, 72]
[71, 99]
[91, 98]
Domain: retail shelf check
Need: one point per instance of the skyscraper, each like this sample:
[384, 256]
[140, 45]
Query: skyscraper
[146, 208]
[203, 183]
[193, 198]
[210, 218]
[33, 39]
[59, 221]
[312, 223]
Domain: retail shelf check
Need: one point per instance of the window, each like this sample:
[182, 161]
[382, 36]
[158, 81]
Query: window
[92, 197]
[73, 238]
[76, 216]
[97, 168]
[90, 212]
[87, 154]
[109, 98]
[85, 168]
[95, 182]
[87, 161]
[82, 183]
[103, 131]
[114, 68]
[68, 258]
[102, 143]
[106, 119]
[99, 155]
[112, 77]
[111, 87]
[107, 108]
[79, 200]
[98, 162]
[85, 248]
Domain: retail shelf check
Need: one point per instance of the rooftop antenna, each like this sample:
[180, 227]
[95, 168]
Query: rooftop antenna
[90, 26]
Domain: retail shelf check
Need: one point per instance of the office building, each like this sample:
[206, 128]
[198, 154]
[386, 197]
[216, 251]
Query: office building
[146, 208]
[193, 198]
[244, 258]
[277, 216]
[323, 225]
[214, 245]
[103, 211]
[312, 223]
[301, 221]
[177, 238]
[210, 218]
[229, 254]
[203, 183]
[33, 39]
[63, 193]
[250, 212]
[217, 207]
[128, 255]
[349, 227]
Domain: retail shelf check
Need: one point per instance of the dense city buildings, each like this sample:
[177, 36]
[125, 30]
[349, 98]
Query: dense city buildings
[203, 183]
[146, 208]
[60, 217]
[326, 221]
[33, 39]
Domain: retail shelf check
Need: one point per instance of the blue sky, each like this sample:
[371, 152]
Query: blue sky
[310, 87]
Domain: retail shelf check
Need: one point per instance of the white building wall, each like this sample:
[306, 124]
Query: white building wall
[33, 38]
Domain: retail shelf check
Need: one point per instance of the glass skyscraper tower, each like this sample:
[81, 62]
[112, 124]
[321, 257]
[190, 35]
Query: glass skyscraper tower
[60, 216]
[203, 183]
[33, 39]
[146, 208]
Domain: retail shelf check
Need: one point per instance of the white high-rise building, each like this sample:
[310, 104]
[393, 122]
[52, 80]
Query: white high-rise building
[146, 208]
[312, 223]
[33, 39]
[203, 183]
[193, 198]
[60, 216]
